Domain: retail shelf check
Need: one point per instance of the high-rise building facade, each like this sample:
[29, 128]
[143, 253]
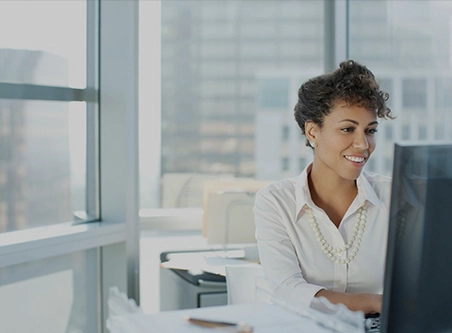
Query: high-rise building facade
[231, 71]
[212, 52]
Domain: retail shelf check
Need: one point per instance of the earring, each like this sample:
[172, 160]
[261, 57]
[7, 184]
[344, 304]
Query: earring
[313, 144]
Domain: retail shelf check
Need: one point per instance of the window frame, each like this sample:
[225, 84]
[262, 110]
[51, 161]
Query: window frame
[112, 196]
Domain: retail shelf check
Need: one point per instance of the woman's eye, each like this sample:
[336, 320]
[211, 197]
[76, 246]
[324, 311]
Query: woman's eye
[348, 129]
[372, 131]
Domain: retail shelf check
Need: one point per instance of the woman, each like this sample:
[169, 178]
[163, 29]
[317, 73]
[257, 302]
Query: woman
[324, 232]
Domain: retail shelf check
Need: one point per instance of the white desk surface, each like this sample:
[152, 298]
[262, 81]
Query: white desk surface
[265, 318]
[210, 261]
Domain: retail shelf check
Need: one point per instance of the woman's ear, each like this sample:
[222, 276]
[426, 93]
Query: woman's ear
[310, 129]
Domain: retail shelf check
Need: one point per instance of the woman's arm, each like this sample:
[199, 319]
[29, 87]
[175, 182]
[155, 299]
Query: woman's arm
[276, 251]
[366, 303]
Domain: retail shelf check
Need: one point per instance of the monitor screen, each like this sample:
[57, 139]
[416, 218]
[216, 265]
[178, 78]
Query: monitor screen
[418, 276]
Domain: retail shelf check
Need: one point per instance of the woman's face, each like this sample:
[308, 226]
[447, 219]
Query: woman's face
[346, 140]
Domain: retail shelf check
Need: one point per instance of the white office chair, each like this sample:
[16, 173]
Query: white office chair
[246, 284]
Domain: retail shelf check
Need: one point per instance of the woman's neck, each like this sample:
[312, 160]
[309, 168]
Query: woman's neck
[332, 193]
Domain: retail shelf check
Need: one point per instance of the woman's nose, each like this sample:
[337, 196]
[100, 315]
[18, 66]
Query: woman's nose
[361, 142]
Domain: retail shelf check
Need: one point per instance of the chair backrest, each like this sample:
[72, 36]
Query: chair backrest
[246, 284]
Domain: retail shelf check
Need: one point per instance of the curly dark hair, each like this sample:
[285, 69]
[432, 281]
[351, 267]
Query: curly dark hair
[351, 82]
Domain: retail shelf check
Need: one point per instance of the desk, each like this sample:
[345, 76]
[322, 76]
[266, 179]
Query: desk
[265, 318]
[192, 285]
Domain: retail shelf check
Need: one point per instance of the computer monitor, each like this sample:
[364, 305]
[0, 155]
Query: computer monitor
[418, 277]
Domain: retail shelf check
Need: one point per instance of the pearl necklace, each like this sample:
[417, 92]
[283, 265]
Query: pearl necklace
[353, 243]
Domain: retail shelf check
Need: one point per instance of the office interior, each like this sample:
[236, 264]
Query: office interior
[113, 114]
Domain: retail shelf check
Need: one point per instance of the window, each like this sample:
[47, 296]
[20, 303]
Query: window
[43, 163]
[285, 133]
[54, 55]
[442, 87]
[389, 132]
[415, 64]
[285, 164]
[45, 107]
[422, 132]
[414, 93]
[243, 66]
[273, 93]
[406, 132]
[55, 294]
[303, 164]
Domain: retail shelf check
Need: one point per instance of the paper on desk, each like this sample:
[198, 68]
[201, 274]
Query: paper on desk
[202, 263]
[217, 265]
[265, 318]
[186, 263]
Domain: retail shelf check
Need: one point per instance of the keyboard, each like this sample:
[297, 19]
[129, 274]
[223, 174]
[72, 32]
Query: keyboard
[372, 323]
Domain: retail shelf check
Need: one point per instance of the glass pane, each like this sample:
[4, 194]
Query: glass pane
[407, 46]
[230, 70]
[53, 295]
[42, 162]
[43, 42]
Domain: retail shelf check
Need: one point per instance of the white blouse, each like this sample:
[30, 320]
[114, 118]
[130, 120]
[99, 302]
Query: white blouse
[294, 264]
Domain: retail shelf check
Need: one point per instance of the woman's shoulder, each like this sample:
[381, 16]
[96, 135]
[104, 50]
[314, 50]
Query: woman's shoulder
[380, 183]
[376, 178]
[286, 185]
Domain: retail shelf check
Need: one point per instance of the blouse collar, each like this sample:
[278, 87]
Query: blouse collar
[365, 191]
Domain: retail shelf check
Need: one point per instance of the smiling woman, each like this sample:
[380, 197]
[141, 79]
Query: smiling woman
[323, 233]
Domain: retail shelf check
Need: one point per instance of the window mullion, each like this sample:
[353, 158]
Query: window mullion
[92, 111]
[336, 33]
